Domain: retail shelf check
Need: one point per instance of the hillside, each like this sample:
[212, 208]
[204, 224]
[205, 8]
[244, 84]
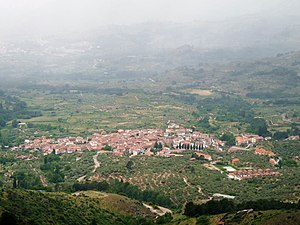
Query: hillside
[33, 207]
[267, 217]
[91, 207]
[270, 217]
[270, 77]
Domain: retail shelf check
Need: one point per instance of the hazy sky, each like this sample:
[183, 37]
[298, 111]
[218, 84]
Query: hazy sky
[50, 16]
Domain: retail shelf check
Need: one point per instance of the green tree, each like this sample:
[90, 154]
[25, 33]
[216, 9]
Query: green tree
[164, 219]
[14, 123]
[259, 126]
[229, 138]
[160, 146]
[24, 179]
[130, 165]
[8, 218]
[107, 148]
[280, 135]
[202, 220]
[2, 122]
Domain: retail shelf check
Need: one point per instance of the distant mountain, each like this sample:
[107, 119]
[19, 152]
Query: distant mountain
[248, 36]
[150, 48]
[263, 35]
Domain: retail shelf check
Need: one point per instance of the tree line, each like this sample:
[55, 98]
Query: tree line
[213, 207]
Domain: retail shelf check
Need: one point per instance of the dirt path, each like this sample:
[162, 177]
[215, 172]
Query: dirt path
[200, 191]
[96, 162]
[186, 182]
[80, 179]
[44, 181]
[78, 193]
[42, 178]
[211, 167]
[160, 211]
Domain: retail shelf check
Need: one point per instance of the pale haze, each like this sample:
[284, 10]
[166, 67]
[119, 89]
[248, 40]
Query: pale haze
[43, 17]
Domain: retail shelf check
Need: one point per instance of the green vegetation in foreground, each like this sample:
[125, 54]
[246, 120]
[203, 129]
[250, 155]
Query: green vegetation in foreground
[91, 207]
[247, 212]
[266, 217]
[156, 179]
[213, 207]
[34, 207]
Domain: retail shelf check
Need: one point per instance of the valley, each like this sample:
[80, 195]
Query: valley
[136, 138]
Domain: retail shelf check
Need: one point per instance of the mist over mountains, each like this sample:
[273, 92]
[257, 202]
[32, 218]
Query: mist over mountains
[54, 41]
[244, 37]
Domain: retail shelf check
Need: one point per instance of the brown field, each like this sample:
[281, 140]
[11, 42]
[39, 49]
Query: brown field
[201, 92]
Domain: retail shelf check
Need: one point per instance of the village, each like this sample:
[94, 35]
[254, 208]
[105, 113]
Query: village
[129, 142]
[171, 142]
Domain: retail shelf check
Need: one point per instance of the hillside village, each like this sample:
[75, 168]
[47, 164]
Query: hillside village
[171, 142]
[129, 142]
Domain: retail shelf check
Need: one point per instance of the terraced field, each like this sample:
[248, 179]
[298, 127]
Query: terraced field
[91, 112]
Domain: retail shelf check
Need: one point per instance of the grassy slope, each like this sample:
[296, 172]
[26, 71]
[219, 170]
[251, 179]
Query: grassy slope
[118, 204]
[84, 208]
